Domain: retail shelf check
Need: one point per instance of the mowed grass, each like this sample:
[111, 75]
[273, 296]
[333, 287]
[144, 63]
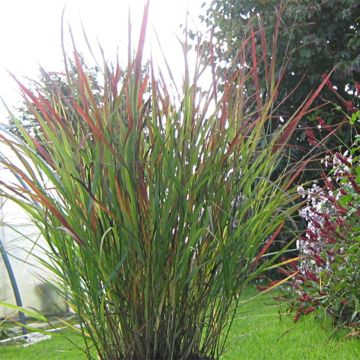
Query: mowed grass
[58, 348]
[262, 330]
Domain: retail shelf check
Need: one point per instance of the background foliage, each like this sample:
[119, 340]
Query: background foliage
[316, 37]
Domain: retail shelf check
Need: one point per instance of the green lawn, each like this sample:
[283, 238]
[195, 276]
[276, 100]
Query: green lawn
[258, 333]
[262, 330]
[58, 348]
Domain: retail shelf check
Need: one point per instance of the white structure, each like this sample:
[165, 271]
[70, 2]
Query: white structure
[21, 241]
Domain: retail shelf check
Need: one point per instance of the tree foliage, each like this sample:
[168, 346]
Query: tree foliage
[320, 35]
[316, 37]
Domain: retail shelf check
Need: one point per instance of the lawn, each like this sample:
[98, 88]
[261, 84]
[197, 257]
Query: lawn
[261, 330]
[58, 348]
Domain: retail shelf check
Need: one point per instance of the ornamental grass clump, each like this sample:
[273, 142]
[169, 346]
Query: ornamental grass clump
[156, 211]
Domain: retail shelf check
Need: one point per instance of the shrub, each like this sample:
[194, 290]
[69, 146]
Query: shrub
[329, 274]
[156, 211]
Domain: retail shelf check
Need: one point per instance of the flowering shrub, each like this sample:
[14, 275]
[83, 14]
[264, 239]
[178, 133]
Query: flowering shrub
[328, 274]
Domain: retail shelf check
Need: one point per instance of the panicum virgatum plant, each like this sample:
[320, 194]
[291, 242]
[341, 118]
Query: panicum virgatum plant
[156, 212]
